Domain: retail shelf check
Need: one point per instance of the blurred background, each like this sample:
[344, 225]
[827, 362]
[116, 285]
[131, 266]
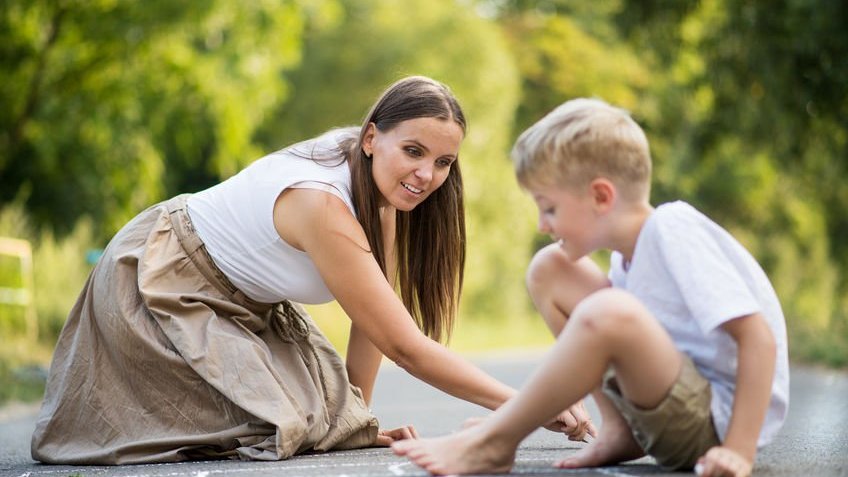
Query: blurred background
[108, 106]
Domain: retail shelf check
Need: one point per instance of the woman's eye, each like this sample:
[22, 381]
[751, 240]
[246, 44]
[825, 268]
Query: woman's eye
[413, 151]
[444, 162]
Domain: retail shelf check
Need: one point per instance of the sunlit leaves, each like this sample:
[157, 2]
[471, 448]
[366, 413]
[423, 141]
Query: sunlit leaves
[109, 106]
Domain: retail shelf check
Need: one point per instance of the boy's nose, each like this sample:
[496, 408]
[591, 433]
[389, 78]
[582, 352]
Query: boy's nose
[544, 227]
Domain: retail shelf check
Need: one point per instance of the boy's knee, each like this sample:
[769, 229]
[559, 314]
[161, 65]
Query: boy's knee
[543, 268]
[611, 311]
[551, 269]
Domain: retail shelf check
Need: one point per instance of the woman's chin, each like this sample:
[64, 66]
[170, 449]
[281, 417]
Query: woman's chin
[406, 205]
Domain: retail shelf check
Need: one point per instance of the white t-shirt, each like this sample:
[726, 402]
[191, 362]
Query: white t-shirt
[694, 276]
[234, 219]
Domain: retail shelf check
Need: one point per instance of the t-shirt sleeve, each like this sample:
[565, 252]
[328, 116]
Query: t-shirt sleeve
[616, 270]
[701, 260]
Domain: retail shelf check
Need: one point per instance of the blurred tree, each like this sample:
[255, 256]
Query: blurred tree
[757, 111]
[746, 109]
[568, 49]
[110, 105]
[345, 67]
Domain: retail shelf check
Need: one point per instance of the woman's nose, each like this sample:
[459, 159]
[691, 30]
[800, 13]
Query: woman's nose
[424, 173]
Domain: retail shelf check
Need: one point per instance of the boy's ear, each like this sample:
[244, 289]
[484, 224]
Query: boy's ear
[604, 194]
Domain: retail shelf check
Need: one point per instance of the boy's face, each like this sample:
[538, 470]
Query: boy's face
[569, 217]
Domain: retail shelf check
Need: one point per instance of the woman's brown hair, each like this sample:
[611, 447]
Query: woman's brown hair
[431, 237]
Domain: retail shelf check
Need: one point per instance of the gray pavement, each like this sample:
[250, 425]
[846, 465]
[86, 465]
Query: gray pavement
[814, 441]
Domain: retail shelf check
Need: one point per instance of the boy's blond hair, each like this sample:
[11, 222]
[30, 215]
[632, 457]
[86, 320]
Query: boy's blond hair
[581, 140]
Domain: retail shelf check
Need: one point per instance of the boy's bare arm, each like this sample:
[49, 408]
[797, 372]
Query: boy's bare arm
[755, 371]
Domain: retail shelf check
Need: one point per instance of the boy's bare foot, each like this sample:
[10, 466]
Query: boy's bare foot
[466, 452]
[613, 445]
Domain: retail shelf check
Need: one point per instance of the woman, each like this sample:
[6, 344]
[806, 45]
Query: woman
[174, 351]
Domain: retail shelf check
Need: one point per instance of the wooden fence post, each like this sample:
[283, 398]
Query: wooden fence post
[24, 296]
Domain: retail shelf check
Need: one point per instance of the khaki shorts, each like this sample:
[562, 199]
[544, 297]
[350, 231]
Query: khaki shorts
[680, 429]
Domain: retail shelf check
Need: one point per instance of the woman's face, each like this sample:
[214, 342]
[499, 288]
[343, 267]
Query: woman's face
[412, 159]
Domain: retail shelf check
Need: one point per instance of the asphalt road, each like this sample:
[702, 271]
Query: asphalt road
[814, 441]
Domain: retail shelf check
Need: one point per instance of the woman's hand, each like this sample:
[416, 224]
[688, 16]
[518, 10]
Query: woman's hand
[385, 437]
[574, 422]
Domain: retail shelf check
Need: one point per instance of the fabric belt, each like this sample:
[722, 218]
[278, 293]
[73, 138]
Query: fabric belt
[284, 319]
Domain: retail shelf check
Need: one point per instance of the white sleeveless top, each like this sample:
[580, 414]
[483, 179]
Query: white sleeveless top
[235, 220]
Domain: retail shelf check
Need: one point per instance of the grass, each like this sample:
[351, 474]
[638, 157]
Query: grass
[22, 370]
[21, 362]
[828, 347]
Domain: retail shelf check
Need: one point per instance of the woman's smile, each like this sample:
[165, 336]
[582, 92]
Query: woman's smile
[412, 159]
[411, 188]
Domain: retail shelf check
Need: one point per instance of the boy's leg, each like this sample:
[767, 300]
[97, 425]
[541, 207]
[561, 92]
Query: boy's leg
[614, 443]
[557, 284]
[609, 327]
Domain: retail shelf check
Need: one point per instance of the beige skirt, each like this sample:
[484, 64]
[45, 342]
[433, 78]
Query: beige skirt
[162, 359]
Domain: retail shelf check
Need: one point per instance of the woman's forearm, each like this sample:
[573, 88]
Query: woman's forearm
[453, 374]
[363, 362]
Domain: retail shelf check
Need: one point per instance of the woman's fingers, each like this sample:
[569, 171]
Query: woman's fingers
[583, 419]
[383, 440]
[385, 437]
[592, 430]
[578, 423]
[575, 423]
[569, 421]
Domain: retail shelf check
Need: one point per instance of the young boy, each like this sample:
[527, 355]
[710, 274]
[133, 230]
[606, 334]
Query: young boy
[685, 355]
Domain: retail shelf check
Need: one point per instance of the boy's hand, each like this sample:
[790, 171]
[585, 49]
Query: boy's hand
[723, 462]
[385, 437]
[574, 422]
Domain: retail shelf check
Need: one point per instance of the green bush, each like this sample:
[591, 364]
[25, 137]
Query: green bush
[60, 271]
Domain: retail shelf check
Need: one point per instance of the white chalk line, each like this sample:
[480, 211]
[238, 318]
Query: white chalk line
[610, 472]
[397, 469]
[207, 473]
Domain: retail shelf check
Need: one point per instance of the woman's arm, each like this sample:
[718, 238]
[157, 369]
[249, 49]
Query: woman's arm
[363, 362]
[322, 226]
[363, 358]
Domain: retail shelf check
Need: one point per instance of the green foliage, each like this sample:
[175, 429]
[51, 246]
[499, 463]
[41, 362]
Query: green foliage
[755, 118]
[60, 273]
[109, 106]
[375, 43]
[746, 110]
[562, 56]
[60, 270]
[19, 383]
